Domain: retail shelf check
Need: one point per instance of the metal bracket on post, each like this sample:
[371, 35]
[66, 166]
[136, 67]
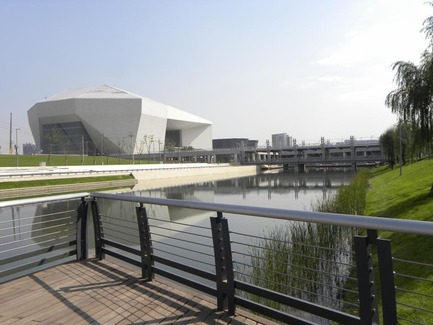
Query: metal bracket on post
[366, 286]
[98, 229]
[145, 243]
[81, 235]
[223, 263]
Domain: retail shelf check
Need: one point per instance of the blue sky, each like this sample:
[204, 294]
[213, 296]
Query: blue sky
[308, 68]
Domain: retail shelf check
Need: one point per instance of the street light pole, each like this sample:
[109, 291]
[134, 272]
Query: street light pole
[16, 144]
[132, 146]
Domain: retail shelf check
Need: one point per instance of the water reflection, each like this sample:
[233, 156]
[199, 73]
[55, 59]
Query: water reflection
[40, 223]
[275, 190]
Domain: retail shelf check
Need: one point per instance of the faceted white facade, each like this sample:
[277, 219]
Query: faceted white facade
[112, 121]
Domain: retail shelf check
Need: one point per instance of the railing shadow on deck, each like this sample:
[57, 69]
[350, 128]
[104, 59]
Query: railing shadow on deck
[310, 267]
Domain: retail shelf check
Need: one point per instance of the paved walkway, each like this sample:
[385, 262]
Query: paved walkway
[101, 292]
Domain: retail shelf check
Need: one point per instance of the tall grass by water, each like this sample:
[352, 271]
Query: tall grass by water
[311, 261]
[349, 199]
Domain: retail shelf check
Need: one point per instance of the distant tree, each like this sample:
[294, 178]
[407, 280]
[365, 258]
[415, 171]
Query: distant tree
[170, 145]
[29, 149]
[387, 143]
[120, 148]
[53, 139]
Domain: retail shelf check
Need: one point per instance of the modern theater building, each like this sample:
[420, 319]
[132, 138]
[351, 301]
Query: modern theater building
[108, 120]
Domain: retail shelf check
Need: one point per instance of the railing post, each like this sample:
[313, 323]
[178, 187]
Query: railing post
[366, 286]
[98, 229]
[145, 243]
[223, 263]
[81, 235]
[386, 275]
[387, 285]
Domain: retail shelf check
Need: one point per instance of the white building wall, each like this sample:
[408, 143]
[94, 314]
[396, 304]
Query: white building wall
[118, 121]
[199, 137]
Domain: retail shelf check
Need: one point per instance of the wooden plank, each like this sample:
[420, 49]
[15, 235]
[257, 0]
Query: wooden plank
[102, 292]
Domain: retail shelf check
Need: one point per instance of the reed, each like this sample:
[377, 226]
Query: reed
[310, 261]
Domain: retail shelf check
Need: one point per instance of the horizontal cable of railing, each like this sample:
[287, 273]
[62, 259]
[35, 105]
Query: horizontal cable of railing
[363, 222]
[158, 259]
[31, 242]
[186, 249]
[318, 310]
[38, 258]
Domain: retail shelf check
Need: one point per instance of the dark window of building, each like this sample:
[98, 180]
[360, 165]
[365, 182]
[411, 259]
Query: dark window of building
[68, 138]
[172, 138]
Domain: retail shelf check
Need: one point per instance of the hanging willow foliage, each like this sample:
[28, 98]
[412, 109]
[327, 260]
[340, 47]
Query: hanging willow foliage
[412, 100]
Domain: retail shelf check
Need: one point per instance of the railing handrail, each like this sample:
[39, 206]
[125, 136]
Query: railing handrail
[43, 199]
[348, 220]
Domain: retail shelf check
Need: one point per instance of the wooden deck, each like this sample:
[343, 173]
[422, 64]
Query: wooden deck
[102, 292]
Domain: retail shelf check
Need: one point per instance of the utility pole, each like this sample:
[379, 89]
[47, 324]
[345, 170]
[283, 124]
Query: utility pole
[82, 150]
[16, 144]
[132, 146]
[10, 135]
[102, 150]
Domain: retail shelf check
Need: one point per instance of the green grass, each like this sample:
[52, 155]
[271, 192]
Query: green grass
[62, 160]
[48, 182]
[407, 197]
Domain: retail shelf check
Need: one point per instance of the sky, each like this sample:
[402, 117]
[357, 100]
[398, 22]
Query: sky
[309, 68]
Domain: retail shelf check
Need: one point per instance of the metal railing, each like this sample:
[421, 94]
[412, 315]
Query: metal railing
[36, 234]
[309, 268]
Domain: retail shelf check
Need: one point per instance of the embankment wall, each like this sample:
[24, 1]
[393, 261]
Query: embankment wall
[172, 177]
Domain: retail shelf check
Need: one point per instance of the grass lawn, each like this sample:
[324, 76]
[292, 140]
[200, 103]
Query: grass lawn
[62, 160]
[407, 197]
[48, 182]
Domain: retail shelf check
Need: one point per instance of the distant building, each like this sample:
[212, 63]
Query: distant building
[281, 140]
[108, 120]
[231, 143]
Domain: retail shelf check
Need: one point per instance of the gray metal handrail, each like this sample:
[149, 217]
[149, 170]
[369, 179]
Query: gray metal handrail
[43, 199]
[363, 222]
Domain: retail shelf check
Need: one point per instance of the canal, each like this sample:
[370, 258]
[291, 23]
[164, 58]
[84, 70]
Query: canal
[283, 190]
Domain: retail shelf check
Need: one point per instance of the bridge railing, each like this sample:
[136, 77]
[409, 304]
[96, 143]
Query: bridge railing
[308, 267]
[302, 267]
[37, 233]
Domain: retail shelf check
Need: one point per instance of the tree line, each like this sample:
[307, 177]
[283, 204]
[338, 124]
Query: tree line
[412, 102]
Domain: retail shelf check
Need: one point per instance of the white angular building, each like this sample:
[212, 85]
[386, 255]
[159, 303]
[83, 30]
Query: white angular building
[112, 121]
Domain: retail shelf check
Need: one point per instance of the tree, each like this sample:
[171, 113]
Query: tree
[412, 100]
[387, 143]
[53, 138]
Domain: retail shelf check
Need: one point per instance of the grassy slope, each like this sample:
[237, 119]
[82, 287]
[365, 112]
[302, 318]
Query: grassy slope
[407, 196]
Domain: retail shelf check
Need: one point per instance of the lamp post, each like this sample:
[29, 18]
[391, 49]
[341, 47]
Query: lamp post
[132, 146]
[16, 144]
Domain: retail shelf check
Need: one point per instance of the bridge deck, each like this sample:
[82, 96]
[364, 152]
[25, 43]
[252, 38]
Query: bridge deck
[102, 292]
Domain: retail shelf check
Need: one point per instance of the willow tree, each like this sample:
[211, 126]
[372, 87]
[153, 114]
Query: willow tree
[412, 100]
